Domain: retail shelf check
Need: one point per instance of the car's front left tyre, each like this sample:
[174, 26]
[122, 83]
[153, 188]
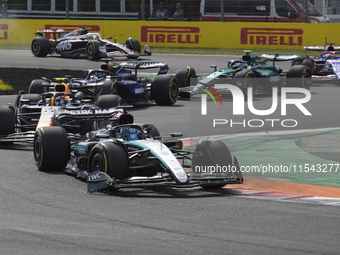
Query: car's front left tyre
[92, 50]
[165, 89]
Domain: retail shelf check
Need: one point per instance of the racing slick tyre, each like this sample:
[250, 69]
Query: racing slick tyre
[109, 88]
[32, 98]
[110, 158]
[299, 76]
[133, 44]
[108, 101]
[245, 79]
[165, 89]
[183, 76]
[299, 60]
[212, 153]
[7, 115]
[92, 50]
[309, 63]
[40, 46]
[51, 148]
[36, 87]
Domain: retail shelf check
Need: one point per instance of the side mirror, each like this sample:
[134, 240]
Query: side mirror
[177, 134]
[214, 66]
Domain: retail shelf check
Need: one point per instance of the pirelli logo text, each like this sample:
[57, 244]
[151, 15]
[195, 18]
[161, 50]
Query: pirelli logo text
[3, 31]
[271, 36]
[165, 34]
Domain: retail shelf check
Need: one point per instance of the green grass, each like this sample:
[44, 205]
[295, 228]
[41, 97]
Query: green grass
[191, 51]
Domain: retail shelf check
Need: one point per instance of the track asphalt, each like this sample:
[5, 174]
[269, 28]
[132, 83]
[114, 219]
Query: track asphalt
[305, 162]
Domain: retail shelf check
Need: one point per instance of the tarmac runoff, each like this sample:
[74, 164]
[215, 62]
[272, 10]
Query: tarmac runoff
[288, 164]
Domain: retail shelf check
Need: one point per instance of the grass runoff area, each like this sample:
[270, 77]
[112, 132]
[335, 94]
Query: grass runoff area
[191, 51]
[304, 157]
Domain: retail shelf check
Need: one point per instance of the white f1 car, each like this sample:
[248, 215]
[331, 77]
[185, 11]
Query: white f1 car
[79, 43]
[133, 155]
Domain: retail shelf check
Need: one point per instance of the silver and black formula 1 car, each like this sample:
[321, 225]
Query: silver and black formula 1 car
[133, 155]
[79, 43]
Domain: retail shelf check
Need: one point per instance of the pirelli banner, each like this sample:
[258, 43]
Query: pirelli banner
[184, 34]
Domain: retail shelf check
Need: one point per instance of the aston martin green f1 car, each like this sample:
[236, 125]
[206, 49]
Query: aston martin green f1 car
[251, 71]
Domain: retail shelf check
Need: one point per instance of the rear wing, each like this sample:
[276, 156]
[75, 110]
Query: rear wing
[51, 31]
[56, 32]
[278, 57]
[163, 67]
[116, 116]
[322, 48]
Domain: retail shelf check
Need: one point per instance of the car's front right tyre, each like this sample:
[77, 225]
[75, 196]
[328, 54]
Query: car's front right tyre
[51, 148]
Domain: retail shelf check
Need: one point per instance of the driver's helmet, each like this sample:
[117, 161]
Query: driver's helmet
[99, 75]
[240, 65]
[331, 56]
[60, 101]
[129, 134]
[83, 31]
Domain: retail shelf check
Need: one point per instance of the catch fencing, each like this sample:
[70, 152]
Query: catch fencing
[193, 10]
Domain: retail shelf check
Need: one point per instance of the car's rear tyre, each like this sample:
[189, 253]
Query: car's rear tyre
[108, 101]
[36, 87]
[299, 76]
[299, 60]
[165, 89]
[51, 148]
[7, 117]
[245, 79]
[212, 153]
[109, 88]
[183, 76]
[40, 46]
[32, 98]
[109, 158]
[92, 50]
